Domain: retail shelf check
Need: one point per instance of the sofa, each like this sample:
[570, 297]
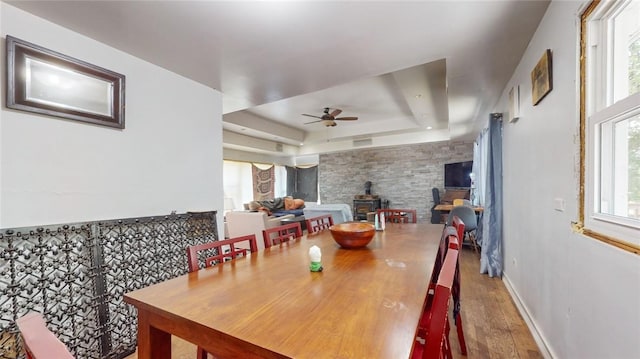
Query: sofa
[340, 212]
[242, 223]
[277, 207]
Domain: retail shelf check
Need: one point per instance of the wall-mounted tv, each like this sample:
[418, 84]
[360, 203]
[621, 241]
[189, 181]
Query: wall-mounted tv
[458, 174]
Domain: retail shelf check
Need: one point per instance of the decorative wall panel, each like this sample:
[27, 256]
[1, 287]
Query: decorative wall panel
[76, 275]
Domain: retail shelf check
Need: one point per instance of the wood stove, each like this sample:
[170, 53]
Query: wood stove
[363, 204]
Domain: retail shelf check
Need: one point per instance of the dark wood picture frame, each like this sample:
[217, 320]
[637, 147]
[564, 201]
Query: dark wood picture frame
[47, 82]
[541, 78]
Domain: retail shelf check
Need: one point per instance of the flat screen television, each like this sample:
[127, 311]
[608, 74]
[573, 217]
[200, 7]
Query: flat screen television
[458, 174]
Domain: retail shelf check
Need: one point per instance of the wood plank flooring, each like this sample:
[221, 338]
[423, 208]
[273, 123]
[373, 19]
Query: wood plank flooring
[492, 325]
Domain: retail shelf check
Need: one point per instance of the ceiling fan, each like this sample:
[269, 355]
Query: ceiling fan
[329, 119]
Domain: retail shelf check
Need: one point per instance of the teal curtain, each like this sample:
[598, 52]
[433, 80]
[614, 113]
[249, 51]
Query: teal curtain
[490, 227]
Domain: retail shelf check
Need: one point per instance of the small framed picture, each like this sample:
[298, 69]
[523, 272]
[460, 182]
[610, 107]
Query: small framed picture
[43, 81]
[514, 103]
[541, 78]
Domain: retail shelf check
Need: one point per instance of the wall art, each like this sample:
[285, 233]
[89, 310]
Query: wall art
[47, 82]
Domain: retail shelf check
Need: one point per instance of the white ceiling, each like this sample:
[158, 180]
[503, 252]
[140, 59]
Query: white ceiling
[400, 67]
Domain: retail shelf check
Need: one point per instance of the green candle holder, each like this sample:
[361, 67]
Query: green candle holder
[315, 267]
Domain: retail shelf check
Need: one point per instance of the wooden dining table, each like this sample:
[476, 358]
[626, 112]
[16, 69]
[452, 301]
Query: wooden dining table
[449, 207]
[366, 303]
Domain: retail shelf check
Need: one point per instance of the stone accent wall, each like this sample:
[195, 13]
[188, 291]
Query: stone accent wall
[403, 175]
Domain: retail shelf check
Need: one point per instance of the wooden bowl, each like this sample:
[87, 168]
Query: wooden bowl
[353, 234]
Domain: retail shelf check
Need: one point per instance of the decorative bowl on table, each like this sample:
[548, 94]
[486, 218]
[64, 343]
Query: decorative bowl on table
[353, 234]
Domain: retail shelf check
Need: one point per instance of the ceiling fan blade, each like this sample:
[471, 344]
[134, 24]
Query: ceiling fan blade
[346, 119]
[304, 114]
[335, 112]
[306, 123]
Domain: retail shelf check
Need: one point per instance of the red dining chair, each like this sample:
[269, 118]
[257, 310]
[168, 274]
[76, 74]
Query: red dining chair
[449, 240]
[394, 215]
[220, 251]
[458, 224]
[280, 234]
[448, 233]
[319, 223]
[38, 341]
[435, 320]
[455, 291]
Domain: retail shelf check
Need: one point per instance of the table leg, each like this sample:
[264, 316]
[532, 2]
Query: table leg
[153, 343]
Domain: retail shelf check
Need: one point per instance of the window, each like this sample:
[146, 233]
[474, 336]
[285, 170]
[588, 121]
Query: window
[238, 184]
[610, 118]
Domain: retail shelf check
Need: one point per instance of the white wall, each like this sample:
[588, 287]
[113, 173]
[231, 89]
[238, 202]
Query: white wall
[581, 295]
[169, 156]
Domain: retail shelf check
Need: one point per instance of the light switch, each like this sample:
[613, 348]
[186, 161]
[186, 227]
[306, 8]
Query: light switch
[559, 204]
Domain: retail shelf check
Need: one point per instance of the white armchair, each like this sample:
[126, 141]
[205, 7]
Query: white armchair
[242, 223]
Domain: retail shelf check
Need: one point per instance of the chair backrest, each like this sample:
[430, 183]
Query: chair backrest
[219, 251]
[395, 215]
[454, 243]
[319, 223]
[436, 196]
[449, 235]
[458, 224]
[284, 233]
[466, 214]
[39, 342]
[437, 333]
[242, 223]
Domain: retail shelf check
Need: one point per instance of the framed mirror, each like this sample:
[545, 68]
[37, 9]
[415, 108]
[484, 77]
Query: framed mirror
[46, 82]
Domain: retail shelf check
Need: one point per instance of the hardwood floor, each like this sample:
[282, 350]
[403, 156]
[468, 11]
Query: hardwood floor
[492, 325]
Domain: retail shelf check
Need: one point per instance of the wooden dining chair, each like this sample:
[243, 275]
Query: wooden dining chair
[455, 289]
[449, 240]
[280, 234]
[449, 234]
[319, 223]
[393, 215]
[38, 341]
[458, 224]
[220, 251]
[435, 320]
[217, 252]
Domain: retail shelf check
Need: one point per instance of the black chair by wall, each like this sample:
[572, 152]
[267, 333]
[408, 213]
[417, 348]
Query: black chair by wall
[435, 215]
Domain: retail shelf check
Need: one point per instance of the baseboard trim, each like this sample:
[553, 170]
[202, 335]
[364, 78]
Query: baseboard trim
[537, 336]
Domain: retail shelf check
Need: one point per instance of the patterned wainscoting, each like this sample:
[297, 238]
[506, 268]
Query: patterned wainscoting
[76, 275]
